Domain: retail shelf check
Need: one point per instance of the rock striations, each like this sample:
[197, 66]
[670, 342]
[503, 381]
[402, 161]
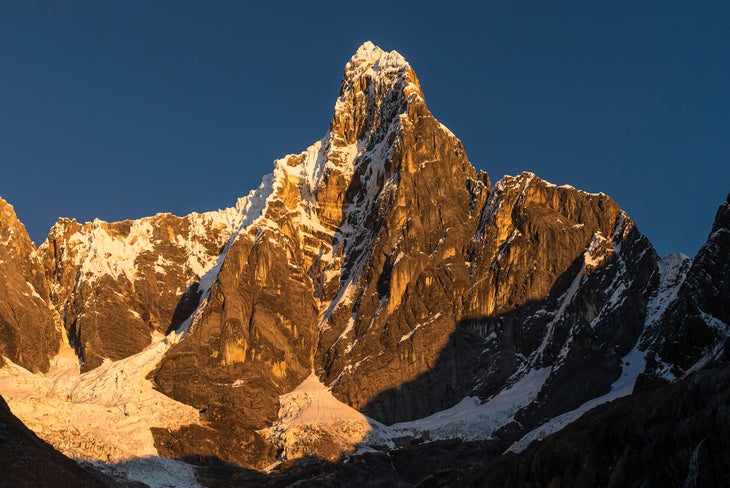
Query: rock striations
[28, 332]
[379, 277]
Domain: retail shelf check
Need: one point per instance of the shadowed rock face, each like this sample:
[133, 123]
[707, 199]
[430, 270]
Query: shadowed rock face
[27, 325]
[694, 328]
[675, 435]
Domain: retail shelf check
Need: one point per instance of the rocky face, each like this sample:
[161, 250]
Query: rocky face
[694, 328]
[117, 284]
[250, 342]
[27, 323]
[513, 294]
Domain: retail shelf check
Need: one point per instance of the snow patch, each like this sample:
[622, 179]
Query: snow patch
[565, 300]
[161, 264]
[154, 472]
[471, 419]
[595, 254]
[407, 336]
[32, 289]
[672, 273]
[632, 365]
[115, 256]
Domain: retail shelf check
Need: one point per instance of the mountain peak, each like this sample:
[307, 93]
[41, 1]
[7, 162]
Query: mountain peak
[368, 55]
[11, 228]
[5, 206]
[377, 86]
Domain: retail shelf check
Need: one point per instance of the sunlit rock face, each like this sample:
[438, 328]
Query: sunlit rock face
[28, 333]
[115, 284]
[383, 261]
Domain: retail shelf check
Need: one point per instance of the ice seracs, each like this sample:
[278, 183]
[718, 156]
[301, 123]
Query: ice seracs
[473, 419]
[103, 415]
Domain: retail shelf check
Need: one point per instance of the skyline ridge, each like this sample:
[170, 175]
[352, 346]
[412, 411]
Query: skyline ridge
[102, 102]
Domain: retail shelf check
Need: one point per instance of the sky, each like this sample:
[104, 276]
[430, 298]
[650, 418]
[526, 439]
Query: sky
[121, 110]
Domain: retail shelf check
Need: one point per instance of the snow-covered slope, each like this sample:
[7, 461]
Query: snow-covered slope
[475, 419]
[103, 415]
[312, 422]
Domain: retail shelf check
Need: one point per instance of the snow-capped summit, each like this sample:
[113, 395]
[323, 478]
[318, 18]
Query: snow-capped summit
[368, 55]
[375, 90]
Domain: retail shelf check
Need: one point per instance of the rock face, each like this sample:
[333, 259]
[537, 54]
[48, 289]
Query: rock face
[115, 284]
[27, 323]
[383, 263]
[318, 263]
[694, 329]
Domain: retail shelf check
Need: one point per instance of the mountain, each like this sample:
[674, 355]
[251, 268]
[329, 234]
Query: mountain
[375, 297]
[673, 431]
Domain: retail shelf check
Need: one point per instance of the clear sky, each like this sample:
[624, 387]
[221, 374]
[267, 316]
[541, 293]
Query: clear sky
[124, 109]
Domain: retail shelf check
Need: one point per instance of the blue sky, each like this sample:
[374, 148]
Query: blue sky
[123, 109]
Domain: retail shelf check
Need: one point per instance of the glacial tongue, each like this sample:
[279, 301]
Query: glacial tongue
[27, 461]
